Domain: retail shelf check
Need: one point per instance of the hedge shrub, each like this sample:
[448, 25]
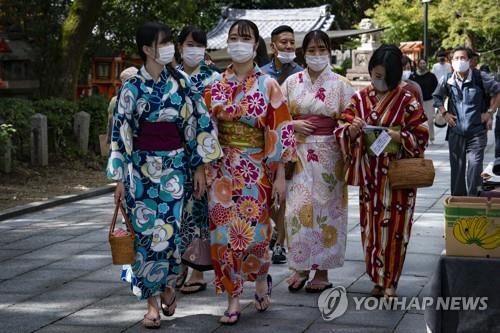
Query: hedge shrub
[60, 114]
[17, 112]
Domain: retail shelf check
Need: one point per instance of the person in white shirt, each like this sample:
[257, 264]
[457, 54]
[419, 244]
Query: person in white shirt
[442, 68]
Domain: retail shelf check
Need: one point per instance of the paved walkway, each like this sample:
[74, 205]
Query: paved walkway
[56, 275]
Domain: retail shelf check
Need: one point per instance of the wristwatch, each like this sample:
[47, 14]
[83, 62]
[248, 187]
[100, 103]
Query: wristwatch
[491, 111]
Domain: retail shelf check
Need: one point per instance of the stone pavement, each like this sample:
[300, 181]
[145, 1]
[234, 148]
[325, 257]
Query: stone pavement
[56, 275]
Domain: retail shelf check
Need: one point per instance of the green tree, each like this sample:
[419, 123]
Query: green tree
[59, 31]
[475, 24]
[76, 30]
[41, 22]
[67, 33]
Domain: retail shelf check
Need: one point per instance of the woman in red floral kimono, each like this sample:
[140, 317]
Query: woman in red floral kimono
[386, 215]
[257, 138]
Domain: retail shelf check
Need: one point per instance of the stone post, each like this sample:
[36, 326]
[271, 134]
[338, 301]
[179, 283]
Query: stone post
[81, 128]
[39, 140]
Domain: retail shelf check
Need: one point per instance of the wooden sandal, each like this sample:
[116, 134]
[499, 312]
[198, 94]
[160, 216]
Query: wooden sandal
[151, 323]
[165, 308]
[201, 286]
[377, 291]
[181, 278]
[391, 296]
[261, 299]
[325, 285]
[303, 277]
[230, 315]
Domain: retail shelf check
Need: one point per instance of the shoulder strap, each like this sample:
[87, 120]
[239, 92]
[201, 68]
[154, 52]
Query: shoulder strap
[285, 72]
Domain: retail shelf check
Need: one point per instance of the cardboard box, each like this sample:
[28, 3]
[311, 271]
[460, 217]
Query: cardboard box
[472, 226]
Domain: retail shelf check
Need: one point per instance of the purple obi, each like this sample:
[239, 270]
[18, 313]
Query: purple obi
[324, 125]
[162, 136]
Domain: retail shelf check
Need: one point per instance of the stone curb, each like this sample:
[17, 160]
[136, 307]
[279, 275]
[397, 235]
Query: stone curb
[56, 201]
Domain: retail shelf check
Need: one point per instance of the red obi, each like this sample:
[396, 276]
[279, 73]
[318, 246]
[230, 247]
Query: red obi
[324, 125]
[162, 136]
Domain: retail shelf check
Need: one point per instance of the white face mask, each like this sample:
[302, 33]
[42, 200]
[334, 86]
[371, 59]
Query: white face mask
[285, 57]
[317, 63]
[460, 66]
[192, 56]
[240, 52]
[406, 75]
[380, 85]
[165, 54]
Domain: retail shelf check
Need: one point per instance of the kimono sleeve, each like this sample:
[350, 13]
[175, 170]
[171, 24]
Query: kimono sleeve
[346, 94]
[352, 149]
[415, 133]
[120, 156]
[280, 144]
[203, 142]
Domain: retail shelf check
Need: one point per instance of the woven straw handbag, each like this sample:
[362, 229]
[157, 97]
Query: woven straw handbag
[122, 247]
[408, 173]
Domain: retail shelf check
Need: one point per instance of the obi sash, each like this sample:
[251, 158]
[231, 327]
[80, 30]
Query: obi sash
[239, 135]
[158, 136]
[324, 125]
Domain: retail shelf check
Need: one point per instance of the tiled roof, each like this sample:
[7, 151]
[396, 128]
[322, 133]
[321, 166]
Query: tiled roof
[300, 19]
[20, 49]
[411, 46]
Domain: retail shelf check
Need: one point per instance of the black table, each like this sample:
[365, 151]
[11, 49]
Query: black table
[465, 277]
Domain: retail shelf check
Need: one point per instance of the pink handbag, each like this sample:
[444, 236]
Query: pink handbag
[198, 256]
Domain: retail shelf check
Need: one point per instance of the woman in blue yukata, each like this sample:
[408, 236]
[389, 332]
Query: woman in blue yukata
[192, 46]
[161, 130]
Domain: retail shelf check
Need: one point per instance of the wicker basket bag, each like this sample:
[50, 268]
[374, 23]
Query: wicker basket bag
[122, 247]
[410, 173]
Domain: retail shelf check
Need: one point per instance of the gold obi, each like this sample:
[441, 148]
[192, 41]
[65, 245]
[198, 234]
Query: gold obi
[239, 135]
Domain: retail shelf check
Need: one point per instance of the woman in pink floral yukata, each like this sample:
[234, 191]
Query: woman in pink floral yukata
[316, 202]
[257, 138]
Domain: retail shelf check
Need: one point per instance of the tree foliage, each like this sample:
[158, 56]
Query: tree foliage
[474, 24]
[47, 24]
[76, 30]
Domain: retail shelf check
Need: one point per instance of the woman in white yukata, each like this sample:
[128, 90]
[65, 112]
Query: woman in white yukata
[316, 202]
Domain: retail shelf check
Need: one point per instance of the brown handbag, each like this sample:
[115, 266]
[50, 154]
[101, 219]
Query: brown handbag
[122, 247]
[197, 255]
[408, 173]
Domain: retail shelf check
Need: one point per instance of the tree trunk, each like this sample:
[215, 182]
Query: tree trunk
[76, 30]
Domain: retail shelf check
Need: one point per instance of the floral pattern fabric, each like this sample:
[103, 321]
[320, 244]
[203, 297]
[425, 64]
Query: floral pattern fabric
[241, 182]
[316, 202]
[386, 215]
[154, 180]
[195, 215]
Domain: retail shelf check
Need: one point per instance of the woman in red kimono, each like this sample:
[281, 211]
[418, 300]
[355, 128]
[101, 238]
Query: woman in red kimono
[386, 215]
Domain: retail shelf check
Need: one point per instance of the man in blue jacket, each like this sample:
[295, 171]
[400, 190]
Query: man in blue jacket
[468, 118]
[283, 46]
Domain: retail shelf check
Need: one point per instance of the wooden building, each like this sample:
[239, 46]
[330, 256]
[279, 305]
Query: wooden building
[17, 76]
[104, 76]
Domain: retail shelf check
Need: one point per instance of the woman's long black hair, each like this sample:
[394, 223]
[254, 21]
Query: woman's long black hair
[148, 35]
